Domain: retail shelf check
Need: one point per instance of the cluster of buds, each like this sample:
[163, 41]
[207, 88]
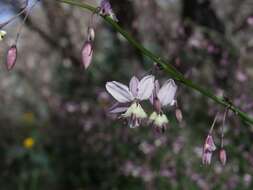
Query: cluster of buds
[209, 147]
[12, 52]
[129, 99]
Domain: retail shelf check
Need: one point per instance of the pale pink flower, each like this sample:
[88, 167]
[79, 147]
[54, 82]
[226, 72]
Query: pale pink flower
[132, 95]
[162, 97]
[208, 149]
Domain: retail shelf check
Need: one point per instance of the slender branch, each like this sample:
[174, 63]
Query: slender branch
[164, 64]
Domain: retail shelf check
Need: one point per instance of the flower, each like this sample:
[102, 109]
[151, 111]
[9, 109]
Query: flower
[106, 10]
[208, 149]
[11, 57]
[136, 92]
[223, 156]
[2, 34]
[28, 143]
[162, 97]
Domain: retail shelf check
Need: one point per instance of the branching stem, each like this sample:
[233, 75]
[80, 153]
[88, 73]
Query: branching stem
[168, 68]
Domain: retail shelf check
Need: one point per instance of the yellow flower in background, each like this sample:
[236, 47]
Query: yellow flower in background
[28, 142]
[2, 34]
[28, 117]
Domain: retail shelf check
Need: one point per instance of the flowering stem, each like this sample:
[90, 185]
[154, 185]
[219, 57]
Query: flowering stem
[168, 68]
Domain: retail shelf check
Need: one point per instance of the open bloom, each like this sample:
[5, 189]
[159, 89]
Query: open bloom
[106, 9]
[132, 95]
[208, 149]
[162, 97]
[2, 34]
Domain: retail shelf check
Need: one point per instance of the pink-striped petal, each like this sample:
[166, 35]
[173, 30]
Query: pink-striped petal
[167, 93]
[133, 86]
[119, 91]
[146, 87]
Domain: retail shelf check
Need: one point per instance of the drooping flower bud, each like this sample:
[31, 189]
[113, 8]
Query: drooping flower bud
[87, 52]
[223, 156]
[179, 115]
[208, 149]
[209, 143]
[2, 34]
[11, 57]
[106, 10]
[91, 34]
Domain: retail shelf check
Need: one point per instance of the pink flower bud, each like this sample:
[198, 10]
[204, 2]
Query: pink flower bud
[208, 149]
[179, 115]
[11, 57]
[223, 157]
[87, 52]
[209, 143]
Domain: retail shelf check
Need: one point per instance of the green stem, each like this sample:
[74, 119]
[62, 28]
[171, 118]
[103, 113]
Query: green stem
[166, 67]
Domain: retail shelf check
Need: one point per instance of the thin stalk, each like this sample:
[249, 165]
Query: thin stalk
[172, 71]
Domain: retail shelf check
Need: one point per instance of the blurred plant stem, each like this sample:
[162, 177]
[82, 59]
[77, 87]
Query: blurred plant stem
[173, 72]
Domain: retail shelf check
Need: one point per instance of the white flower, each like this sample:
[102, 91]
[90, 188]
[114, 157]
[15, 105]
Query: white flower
[136, 92]
[2, 34]
[162, 97]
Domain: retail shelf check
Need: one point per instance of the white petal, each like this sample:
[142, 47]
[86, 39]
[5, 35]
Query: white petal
[118, 108]
[119, 91]
[146, 87]
[167, 93]
[133, 86]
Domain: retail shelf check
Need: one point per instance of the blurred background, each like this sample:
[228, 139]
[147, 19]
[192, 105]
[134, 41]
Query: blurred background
[55, 131]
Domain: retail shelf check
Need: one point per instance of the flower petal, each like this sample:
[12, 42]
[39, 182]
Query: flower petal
[145, 87]
[119, 91]
[167, 93]
[118, 108]
[133, 86]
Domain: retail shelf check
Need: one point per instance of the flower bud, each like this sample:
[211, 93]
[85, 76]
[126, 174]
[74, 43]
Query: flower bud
[209, 143]
[179, 115]
[105, 7]
[11, 57]
[91, 34]
[208, 149]
[2, 34]
[87, 52]
[223, 156]
[106, 10]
